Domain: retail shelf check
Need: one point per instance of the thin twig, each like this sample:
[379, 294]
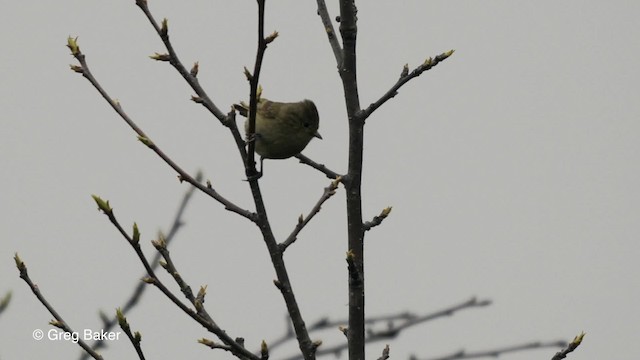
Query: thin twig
[254, 82]
[183, 175]
[385, 353]
[200, 315]
[347, 69]
[135, 338]
[59, 321]
[377, 220]
[393, 331]
[569, 347]
[320, 167]
[331, 33]
[189, 76]
[395, 324]
[109, 322]
[495, 353]
[329, 191]
[405, 77]
[169, 266]
[307, 347]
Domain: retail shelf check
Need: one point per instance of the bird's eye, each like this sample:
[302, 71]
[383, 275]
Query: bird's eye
[306, 124]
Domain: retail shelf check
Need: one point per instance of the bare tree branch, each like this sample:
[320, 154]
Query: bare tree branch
[405, 77]
[260, 217]
[254, 82]
[329, 191]
[331, 33]
[356, 336]
[495, 353]
[191, 79]
[183, 175]
[377, 220]
[395, 324]
[109, 322]
[385, 353]
[320, 167]
[172, 58]
[569, 347]
[353, 180]
[283, 283]
[135, 338]
[59, 321]
[200, 315]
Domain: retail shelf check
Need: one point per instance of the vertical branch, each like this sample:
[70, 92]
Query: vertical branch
[307, 347]
[328, 28]
[254, 79]
[355, 257]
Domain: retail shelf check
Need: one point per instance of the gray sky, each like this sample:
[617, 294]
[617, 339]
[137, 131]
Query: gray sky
[511, 168]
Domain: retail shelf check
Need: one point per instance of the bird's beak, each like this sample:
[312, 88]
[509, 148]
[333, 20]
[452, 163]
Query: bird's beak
[317, 134]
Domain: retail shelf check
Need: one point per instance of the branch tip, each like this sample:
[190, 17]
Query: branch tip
[207, 342]
[122, 320]
[160, 244]
[344, 330]
[72, 44]
[578, 339]
[194, 69]
[316, 344]
[264, 350]
[103, 205]
[19, 263]
[377, 220]
[385, 353]
[271, 37]
[278, 284]
[160, 57]
[405, 71]
[386, 211]
[202, 292]
[77, 68]
[136, 234]
[57, 323]
[164, 30]
[247, 74]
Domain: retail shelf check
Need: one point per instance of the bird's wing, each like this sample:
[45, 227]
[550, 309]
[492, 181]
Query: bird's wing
[268, 109]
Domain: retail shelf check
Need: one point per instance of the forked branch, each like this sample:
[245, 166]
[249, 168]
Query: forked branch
[83, 69]
[200, 315]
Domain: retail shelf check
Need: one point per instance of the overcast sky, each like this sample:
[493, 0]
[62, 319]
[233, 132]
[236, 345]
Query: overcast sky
[512, 169]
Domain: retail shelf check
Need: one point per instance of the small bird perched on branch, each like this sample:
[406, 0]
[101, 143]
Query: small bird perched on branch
[282, 129]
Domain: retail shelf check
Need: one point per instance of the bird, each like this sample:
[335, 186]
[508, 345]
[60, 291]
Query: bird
[282, 129]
